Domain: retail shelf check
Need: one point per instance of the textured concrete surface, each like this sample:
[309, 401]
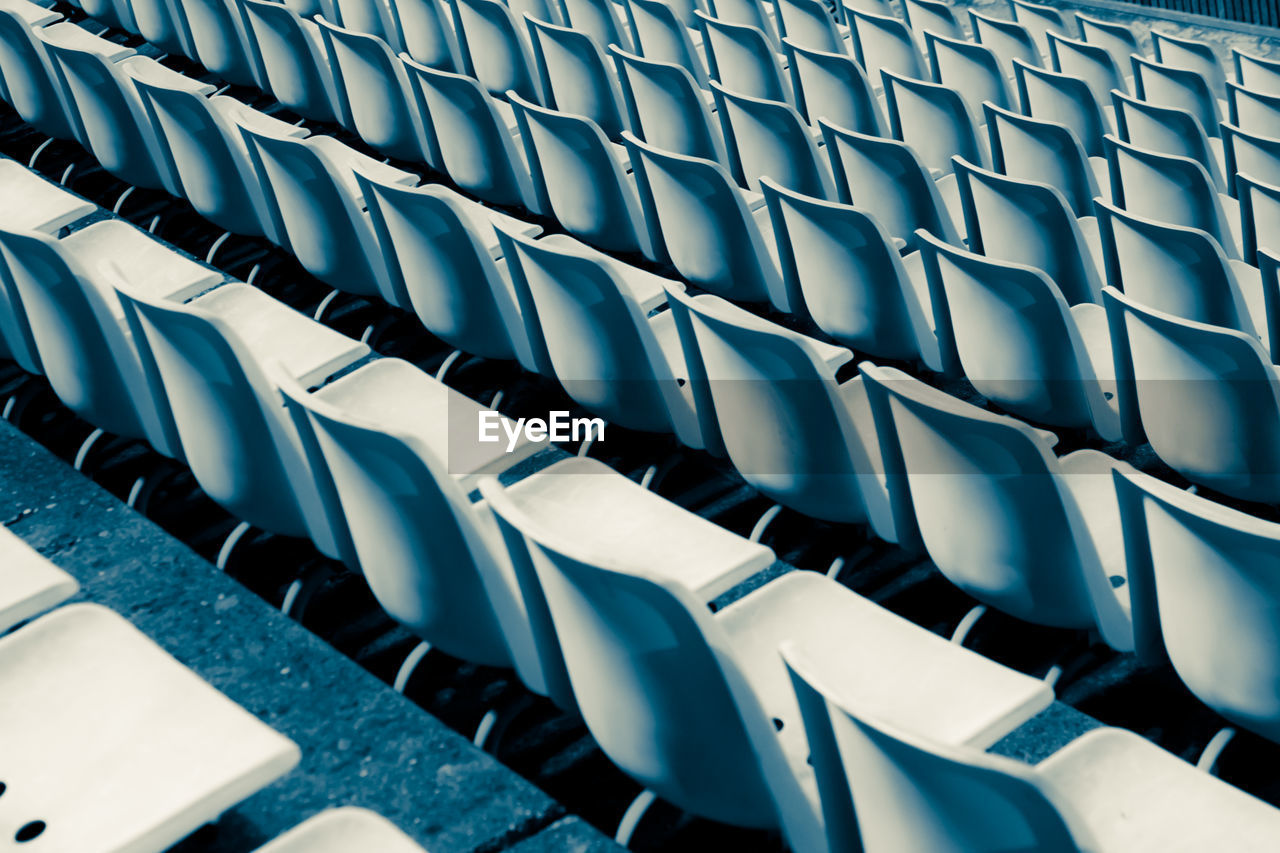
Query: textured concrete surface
[362, 744]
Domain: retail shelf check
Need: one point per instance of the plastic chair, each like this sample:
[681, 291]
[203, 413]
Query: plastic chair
[674, 666]
[832, 86]
[442, 254]
[109, 116]
[769, 139]
[427, 29]
[1119, 39]
[131, 721]
[575, 77]
[934, 120]
[587, 189]
[338, 830]
[1172, 189]
[378, 97]
[884, 43]
[1256, 73]
[370, 17]
[609, 357]
[1259, 219]
[1249, 154]
[915, 793]
[1090, 62]
[164, 24]
[1008, 40]
[32, 584]
[968, 68]
[598, 20]
[295, 65]
[1031, 149]
[311, 184]
[86, 349]
[885, 178]
[808, 23]
[790, 430]
[1204, 396]
[223, 42]
[478, 149]
[1211, 571]
[29, 78]
[742, 58]
[923, 16]
[751, 13]
[1183, 88]
[1030, 223]
[1039, 539]
[1041, 21]
[1168, 130]
[839, 264]
[662, 36]
[1193, 54]
[1013, 336]
[498, 54]
[666, 108]
[1254, 111]
[203, 146]
[712, 239]
[1181, 271]
[1067, 100]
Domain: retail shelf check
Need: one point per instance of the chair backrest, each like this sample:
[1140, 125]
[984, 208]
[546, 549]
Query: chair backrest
[574, 76]
[970, 69]
[642, 657]
[933, 16]
[885, 178]
[1205, 397]
[661, 36]
[476, 149]
[223, 43]
[1009, 40]
[838, 263]
[1256, 73]
[910, 794]
[320, 218]
[377, 95]
[1171, 268]
[1194, 54]
[427, 31]
[884, 43]
[1183, 88]
[1214, 573]
[443, 271]
[834, 87]
[165, 25]
[711, 238]
[808, 23]
[665, 108]
[597, 20]
[1033, 149]
[1023, 547]
[1119, 39]
[1041, 22]
[496, 48]
[430, 558]
[769, 139]
[1168, 130]
[600, 343]
[81, 345]
[933, 119]
[371, 17]
[586, 189]
[1167, 188]
[295, 69]
[1259, 217]
[742, 58]
[753, 13]
[31, 87]
[1090, 62]
[786, 428]
[1061, 98]
[1250, 154]
[1014, 338]
[1253, 111]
